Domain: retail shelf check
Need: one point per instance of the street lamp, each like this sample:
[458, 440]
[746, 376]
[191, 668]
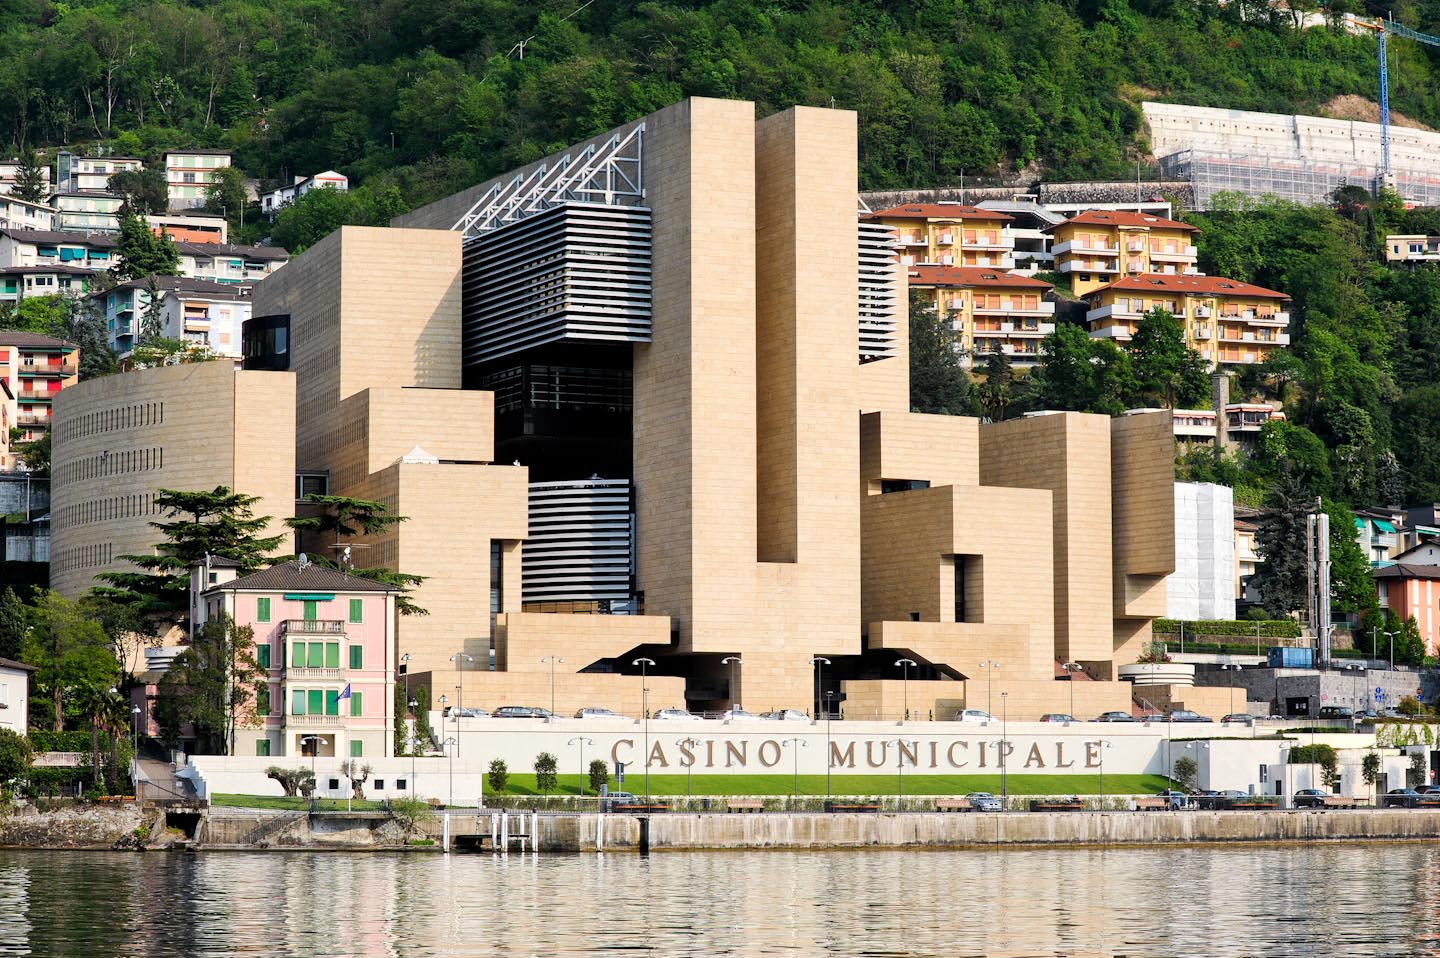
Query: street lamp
[900, 770]
[689, 769]
[455, 741]
[796, 743]
[444, 699]
[1103, 746]
[314, 741]
[414, 746]
[552, 660]
[583, 741]
[135, 722]
[828, 750]
[820, 662]
[990, 668]
[1391, 637]
[1071, 668]
[1004, 741]
[1232, 668]
[457, 658]
[645, 664]
[905, 665]
[732, 661]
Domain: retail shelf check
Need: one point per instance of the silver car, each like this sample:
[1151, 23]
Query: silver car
[785, 715]
[596, 713]
[668, 714]
[984, 802]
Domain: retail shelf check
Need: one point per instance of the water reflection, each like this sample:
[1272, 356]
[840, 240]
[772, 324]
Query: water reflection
[1321, 900]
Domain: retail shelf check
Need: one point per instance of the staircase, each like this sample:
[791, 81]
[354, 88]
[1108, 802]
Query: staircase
[272, 826]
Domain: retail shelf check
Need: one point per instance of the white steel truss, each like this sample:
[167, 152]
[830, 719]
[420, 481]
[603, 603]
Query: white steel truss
[600, 173]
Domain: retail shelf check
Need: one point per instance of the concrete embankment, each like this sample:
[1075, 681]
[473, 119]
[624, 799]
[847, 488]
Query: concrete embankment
[80, 826]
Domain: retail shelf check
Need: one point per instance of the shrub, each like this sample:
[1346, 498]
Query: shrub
[599, 774]
[545, 772]
[1271, 628]
[292, 780]
[499, 776]
[410, 812]
[1408, 706]
[14, 755]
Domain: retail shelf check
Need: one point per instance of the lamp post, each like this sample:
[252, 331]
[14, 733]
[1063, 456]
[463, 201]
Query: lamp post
[457, 658]
[314, 741]
[1103, 746]
[689, 769]
[444, 699]
[455, 741]
[645, 664]
[795, 744]
[900, 771]
[1169, 729]
[1232, 668]
[405, 664]
[582, 741]
[820, 662]
[828, 750]
[414, 747]
[135, 723]
[990, 668]
[905, 665]
[1004, 743]
[1071, 668]
[733, 661]
[552, 660]
[1391, 637]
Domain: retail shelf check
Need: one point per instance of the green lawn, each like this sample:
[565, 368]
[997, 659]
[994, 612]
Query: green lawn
[915, 784]
[292, 804]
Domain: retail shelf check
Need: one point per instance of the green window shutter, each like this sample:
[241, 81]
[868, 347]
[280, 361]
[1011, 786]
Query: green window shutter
[262, 654]
[332, 655]
[262, 701]
[357, 610]
[357, 656]
[316, 659]
[297, 661]
[332, 703]
[297, 702]
[315, 701]
[262, 747]
[357, 748]
[312, 610]
[355, 709]
[262, 610]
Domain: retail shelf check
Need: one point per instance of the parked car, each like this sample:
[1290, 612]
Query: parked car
[663, 715]
[1114, 717]
[1186, 715]
[785, 715]
[1057, 717]
[738, 713]
[1400, 798]
[1310, 798]
[984, 802]
[596, 713]
[1336, 712]
[1212, 799]
[612, 799]
[514, 711]
[456, 711]
[974, 716]
[1174, 797]
[1237, 718]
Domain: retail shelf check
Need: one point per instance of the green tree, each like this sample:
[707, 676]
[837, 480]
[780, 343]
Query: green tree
[545, 777]
[317, 214]
[1167, 372]
[145, 190]
[213, 685]
[599, 774]
[938, 384]
[498, 777]
[1281, 578]
[1370, 770]
[35, 454]
[1081, 374]
[96, 705]
[1186, 769]
[12, 624]
[39, 314]
[226, 194]
[69, 650]
[345, 516]
[31, 183]
[14, 756]
[141, 254]
[995, 394]
[218, 522]
[424, 734]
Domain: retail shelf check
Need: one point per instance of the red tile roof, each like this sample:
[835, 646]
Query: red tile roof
[1124, 218]
[926, 211]
[965, 276]
[1190, 285]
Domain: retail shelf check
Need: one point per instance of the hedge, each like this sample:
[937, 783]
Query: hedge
[1269, 628]
[42, 741]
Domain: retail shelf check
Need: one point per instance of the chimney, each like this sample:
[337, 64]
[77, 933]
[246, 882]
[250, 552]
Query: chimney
[1220, 398]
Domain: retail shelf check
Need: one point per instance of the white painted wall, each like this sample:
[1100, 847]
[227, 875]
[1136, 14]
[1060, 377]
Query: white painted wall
[1203, 583]
[14, 705]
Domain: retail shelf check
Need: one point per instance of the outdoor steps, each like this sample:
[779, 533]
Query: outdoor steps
[272, 826]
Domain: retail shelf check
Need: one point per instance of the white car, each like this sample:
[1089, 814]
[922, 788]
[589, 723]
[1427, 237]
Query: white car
[738, 713]
[597, 713]
[974, 716]
[786, 715]
[667, 714]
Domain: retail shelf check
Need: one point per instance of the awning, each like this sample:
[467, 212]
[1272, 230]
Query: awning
[1383, 526]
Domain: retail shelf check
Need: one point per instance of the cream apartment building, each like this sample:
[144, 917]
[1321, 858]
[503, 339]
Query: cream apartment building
[990, 310]
[1227, 321]
[1098, 247]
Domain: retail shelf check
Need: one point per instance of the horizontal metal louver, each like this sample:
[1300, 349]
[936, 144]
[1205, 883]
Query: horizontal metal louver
[580, 547]
[576, 272]
[879, 306]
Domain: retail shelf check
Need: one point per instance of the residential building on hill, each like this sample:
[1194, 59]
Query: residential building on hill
[1243, 422]
[34, 369]
[325, 643]
[1228, 322]
[19, 282]
[228, 264]
[87, 210]
[948, 234]
[1098, 247]
[1412, 248]
[1029, 226]
[272, 201]
[1407, 590]
[190, 173]
[10, 171]
[19, 214]
[195, 310]
[90, 174]
[992, 311]
[22, 247]
[192, 226]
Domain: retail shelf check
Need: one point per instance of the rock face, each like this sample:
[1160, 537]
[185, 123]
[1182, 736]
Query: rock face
[81, 826]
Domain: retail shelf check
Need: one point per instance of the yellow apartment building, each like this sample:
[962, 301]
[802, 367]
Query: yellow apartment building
[993, 311]
[1100, 246]
[1228, 322]
[949, 234]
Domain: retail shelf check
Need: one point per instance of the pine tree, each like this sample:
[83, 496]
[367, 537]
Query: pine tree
[995, 392]
[31, 184]
[937, 383]
[1282, 578]
[141, 252]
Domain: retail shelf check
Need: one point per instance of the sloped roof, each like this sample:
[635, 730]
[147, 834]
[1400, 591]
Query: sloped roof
[1190, 285]
[61, 236]
[966, 276]
[12, 664]
[292, 577]
[939, 211]
[1125, 218]
[1407, 570]
[183, 285]
[14, 337]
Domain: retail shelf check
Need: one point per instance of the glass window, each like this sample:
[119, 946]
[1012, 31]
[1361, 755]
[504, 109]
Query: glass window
[312, 610]
[262, 654]
[297, 702]
[332, 655]
[262, 610]
[357, 749]
[355, 707]
[315, 702]
[316, 657]
[298, 660]
[357, 607]
[399, 784]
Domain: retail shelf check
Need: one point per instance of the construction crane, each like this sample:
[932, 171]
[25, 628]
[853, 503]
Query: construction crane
[1383, 28]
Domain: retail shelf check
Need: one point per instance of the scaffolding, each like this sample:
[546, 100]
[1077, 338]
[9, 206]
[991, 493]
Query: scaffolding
[1288, 178]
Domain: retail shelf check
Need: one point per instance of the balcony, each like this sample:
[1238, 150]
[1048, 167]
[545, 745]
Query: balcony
[1076, 266]
[1076, 246]
[1202, 332]
[311, 674]
[313, 721]
[34, 395]
[1267, 319]
[31, 419]
[47, 369]
[1178, 255]
[1114, 309]
[1011, 308]
[1027, 329]
[314, 627]
[1135, 246]
[1121, 334]
[1203, 312]
[947, 239]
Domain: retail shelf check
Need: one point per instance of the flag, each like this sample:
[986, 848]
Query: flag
[345, 694]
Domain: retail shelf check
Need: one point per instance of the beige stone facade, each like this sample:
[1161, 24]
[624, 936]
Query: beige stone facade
[120, 439]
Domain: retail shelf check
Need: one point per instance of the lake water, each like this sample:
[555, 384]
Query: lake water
[1331, 900]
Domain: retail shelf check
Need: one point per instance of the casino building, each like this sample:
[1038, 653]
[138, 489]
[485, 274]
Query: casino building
[645, 404]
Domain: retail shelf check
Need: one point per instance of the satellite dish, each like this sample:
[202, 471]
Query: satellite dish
[304, 561]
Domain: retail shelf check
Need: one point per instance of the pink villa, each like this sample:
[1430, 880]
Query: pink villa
[328, 641]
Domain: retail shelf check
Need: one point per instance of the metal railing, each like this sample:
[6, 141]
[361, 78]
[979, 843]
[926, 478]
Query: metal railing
[314, 626]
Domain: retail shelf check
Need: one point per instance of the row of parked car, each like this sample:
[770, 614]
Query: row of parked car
[529, 711]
